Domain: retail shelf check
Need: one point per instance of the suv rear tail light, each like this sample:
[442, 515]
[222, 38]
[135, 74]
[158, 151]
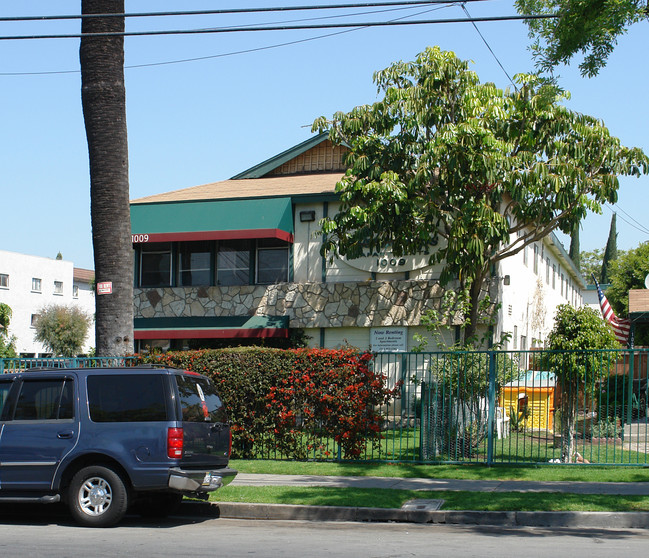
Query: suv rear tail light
[174, 443]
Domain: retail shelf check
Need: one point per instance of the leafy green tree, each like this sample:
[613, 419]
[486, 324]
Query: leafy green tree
[577, 333]
[587, 27]
[610, 253]
[445, 165]
[7, 343]
[5, 317]
[591, 263]
[626, 273]
[62, 329]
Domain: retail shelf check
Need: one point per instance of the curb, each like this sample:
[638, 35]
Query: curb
[283, 512]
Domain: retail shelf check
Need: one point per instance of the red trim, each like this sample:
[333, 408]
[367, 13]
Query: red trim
[216, 235]
[210, 333]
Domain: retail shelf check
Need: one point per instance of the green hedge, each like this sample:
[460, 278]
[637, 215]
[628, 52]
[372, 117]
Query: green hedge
[283, 403]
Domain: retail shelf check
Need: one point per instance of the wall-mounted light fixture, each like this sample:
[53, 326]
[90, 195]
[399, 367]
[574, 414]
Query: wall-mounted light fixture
[307, 216]
[507, 280]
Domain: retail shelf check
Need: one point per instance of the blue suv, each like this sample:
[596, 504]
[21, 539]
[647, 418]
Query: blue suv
[105, 440]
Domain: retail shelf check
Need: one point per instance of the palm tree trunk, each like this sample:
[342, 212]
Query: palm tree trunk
[103, 97]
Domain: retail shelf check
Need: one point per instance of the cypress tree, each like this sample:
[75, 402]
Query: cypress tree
[574, 247]
[610, 253]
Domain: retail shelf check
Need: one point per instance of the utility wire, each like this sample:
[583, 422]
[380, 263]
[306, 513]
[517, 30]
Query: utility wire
[639, 226]
[233, 10]
[488, 46]
[278, 27]
[225, 54]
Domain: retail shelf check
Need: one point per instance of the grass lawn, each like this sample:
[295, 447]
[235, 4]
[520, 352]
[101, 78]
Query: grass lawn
[390, 498]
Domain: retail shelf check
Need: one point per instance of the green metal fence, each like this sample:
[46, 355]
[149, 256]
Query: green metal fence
[19, 364]
[506, 407]
[486, 407]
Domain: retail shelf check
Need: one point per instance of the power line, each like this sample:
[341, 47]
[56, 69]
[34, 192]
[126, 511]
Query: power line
[233, 10]
[278, 27]
[225, 54]
[639, 227]
[489, 47]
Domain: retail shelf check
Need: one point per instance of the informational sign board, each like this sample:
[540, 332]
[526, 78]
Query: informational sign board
[105, 287]
[389, 339]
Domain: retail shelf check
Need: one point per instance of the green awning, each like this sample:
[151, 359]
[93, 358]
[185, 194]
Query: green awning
[210, 220]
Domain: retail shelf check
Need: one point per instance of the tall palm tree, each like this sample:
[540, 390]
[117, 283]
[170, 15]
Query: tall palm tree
[103, 97]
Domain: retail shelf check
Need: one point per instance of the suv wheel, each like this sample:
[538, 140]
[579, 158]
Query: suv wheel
[97, 496]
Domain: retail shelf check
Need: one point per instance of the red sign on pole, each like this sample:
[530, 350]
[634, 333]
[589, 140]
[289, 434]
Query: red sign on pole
[105, 287]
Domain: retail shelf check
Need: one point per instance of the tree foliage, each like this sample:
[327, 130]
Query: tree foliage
[591, 262]
[583, 27]
[7, 343]
[62, 329]
[610, 254]
[626, 273]
[445, 165]
[578, 333]
[575, 253]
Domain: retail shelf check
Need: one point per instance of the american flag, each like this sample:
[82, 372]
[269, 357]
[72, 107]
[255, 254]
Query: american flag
[621, 327]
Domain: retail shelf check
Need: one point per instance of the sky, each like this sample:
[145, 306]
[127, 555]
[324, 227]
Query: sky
[243, 98]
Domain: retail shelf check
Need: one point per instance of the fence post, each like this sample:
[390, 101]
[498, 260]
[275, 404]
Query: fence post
[491, 406]
[629, 411]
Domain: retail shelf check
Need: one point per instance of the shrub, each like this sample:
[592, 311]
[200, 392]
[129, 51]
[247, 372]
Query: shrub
[285, 400]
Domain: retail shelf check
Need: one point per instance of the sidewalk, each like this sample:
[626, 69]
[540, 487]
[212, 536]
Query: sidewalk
[427, 511]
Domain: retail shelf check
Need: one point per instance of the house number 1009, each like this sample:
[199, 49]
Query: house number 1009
[392, 262]
[135, 238]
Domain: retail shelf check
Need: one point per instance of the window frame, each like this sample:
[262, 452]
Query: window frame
[37, 285]
[157, 248]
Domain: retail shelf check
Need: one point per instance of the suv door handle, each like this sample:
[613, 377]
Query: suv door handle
[66, 434]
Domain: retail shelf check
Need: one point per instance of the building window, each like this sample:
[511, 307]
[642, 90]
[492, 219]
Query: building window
[523, 343]
[58, 287]
[525, 256]
[36, 285]
[554, 276]
[536, 259]
[4, 281]
[233, 263]
[562, 281]
[515, 337]
[194, 263]
[547, 271]
[155, 265]
[272, 261]
[75, 291]
[34, 319]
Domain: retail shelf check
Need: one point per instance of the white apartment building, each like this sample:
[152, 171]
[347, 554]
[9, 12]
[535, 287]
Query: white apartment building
[29, 283]
[240, 259]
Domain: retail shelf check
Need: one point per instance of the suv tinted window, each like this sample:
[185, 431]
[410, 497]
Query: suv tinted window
[199, 401]
[4, 394]
[44, 400]
[127, 398]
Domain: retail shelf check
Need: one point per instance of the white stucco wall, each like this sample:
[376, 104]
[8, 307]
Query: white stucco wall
[529, 296]
[25, 302]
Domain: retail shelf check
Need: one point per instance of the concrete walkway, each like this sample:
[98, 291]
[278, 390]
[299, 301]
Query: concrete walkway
[621, 488]
[427, 511]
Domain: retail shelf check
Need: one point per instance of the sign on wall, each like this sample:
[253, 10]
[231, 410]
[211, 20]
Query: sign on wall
[389, 339]
[388, 263]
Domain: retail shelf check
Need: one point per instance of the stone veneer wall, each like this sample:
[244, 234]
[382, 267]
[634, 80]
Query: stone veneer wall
[349, 304]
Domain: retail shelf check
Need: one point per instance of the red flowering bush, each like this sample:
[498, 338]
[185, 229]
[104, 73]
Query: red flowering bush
[289, 403]
[330, 394]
